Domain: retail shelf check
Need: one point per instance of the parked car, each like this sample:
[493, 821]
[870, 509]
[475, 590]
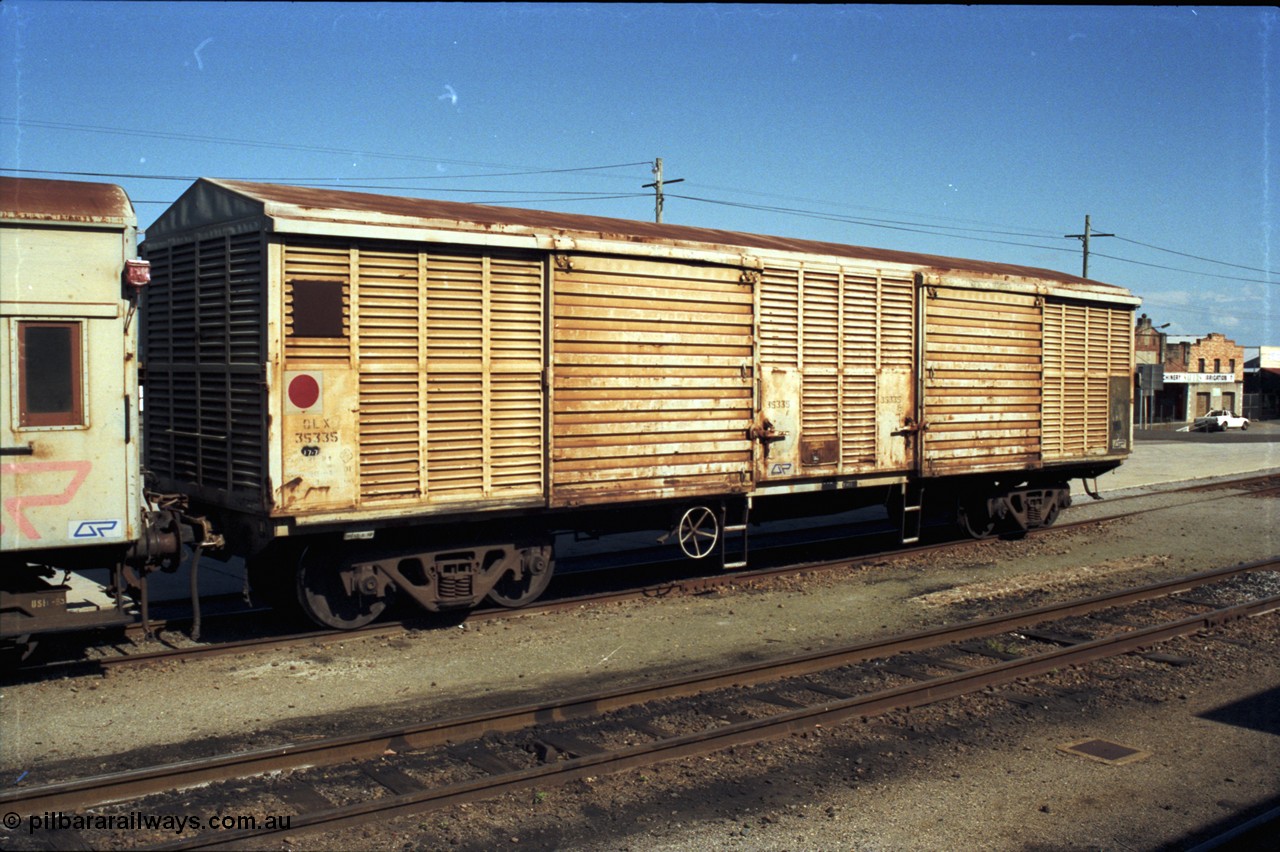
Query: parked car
[1218, 420]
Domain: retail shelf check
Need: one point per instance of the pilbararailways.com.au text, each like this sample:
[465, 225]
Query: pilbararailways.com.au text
[139, 821]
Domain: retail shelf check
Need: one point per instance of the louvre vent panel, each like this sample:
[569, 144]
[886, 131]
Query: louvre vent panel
[182, 304]
[390, 312]
[456, 383]
[389, 347]
[516, 315]
[820, 356]
[839, 329]
[858, 420]
[1085, 346]
[390, 446]
[448, 351]
[204, 350]
[484, 345]
[780, 317]
[455, 313]
[516, 358]
[244, 331]
[897, 318]
[516, 449]
[861, 323]
[455, 457]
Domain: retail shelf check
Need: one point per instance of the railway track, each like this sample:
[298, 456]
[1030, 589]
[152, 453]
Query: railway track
[344, 781]
[1255, 485]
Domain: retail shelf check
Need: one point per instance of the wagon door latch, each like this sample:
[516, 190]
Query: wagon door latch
[911, 427]
[766, 435]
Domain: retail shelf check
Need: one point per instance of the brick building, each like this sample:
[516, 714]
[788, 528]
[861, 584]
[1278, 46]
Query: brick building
[1212, 368]
[1200, 373]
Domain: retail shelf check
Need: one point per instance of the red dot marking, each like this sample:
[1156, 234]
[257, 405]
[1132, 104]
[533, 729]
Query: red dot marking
[304, 390]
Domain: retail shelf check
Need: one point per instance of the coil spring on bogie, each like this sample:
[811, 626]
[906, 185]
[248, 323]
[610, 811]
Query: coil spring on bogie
[1035, 509]
[454, 579]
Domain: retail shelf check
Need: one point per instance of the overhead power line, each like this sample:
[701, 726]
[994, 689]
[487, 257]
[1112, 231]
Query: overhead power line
[223, 140]
[1198, 257]
[515, 171]
[889, 224]
[886, 224]
[938, 231]
[1214, 311]
[1185, 271]
[859, 207]
[306, 181]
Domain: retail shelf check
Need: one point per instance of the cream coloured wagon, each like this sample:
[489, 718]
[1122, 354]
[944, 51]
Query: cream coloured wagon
[71, 494]
[380, 395]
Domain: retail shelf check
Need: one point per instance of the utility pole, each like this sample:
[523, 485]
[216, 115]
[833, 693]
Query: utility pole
[657, 189]
[1084, 238]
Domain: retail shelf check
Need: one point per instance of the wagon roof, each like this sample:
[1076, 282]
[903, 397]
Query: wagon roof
[207, 203]
[68, 201]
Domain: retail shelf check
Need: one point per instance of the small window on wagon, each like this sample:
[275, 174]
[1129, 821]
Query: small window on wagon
[50, 374]
[318, 308]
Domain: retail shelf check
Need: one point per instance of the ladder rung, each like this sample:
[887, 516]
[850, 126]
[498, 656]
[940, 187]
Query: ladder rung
[911, 540]
[911, 508]
[740, 534]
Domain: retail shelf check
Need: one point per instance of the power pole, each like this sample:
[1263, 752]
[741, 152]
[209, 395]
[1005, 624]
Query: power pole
[1084, 238]
[657, 189]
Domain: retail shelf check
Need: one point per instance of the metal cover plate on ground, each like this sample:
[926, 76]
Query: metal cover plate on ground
[1105, 751]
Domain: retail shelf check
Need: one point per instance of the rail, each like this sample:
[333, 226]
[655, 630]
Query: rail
[547, 728]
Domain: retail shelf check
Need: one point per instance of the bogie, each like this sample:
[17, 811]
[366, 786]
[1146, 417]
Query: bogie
[333, 592]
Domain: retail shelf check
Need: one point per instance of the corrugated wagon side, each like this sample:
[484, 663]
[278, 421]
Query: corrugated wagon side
[1026, 384]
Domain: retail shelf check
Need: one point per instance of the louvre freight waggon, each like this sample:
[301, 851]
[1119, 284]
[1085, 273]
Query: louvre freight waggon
[374, 397]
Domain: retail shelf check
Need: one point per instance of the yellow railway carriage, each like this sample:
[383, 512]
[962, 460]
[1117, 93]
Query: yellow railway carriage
[71, 491]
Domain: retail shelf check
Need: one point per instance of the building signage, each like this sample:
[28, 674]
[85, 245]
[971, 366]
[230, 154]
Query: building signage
[1200, 378]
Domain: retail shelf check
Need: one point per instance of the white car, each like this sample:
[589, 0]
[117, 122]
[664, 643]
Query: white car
[1220, 419]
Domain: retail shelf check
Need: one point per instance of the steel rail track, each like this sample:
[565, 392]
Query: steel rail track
[89, 792]
[691, 585]
[740, 733]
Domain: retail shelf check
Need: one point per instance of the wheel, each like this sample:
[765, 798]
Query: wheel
[522, 586]
[699, 530]
[1244, 427]
[16, 649]
[975, 519]
[324, 597]
[269, 580]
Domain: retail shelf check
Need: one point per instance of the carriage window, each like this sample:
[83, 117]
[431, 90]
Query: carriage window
[317, 309]
[50, 389]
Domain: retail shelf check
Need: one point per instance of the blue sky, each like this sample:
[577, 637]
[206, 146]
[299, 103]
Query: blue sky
[984, 132]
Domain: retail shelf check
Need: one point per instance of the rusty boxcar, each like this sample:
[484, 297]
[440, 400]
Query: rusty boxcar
[382, 395]
[69, 457]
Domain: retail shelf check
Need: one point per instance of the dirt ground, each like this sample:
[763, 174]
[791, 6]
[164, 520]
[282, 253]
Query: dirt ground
[977, 773]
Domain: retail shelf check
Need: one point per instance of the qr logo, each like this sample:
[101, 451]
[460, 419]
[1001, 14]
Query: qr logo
[780, 469]
[97, 529]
